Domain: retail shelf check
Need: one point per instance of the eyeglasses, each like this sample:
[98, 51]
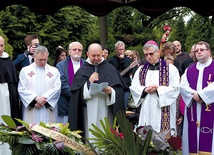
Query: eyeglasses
[76, 49]
[150, 54]
[200, 50]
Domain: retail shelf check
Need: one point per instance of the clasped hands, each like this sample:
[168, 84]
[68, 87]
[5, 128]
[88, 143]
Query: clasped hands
[196, 97]
[40, 101]
[151, 89]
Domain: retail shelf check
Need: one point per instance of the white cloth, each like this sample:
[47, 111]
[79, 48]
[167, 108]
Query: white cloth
[150, 113]
[207, 94]
[76, 65]
[97, 109]
[62, 119]
[4, 55]
[4, 110]
[39, 81]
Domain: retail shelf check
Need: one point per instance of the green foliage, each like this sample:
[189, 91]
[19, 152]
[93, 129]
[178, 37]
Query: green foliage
[9, 121]
[179, 33]
[23, 140]
[23, 150]
[122, 20]
[8, 48]
[23, 122]
[110, 141]
[127, 24]
[17, 22]
[200, 29]
[69, 24]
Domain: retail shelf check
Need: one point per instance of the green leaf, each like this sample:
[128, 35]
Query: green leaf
[9, 121]
[23, 122]
[147, 142]
[26, 140]
[43, 124]
[64, 129]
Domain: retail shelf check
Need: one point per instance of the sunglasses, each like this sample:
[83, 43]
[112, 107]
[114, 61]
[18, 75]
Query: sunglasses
[150, 54]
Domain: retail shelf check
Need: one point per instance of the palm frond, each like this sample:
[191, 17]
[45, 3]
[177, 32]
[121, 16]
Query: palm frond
[125, 142]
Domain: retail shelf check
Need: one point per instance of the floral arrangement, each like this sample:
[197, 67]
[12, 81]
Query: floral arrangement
[41, 139]
[123, 139]
[57, 139]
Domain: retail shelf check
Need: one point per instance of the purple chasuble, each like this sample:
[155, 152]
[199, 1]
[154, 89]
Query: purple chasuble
[207, 113]
[163, 81]
[71, 71]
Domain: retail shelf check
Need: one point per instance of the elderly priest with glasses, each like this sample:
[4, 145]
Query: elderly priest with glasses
[155, 86]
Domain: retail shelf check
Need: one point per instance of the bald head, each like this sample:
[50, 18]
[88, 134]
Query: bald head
[95, 53]
[177, 47]
[94, 46]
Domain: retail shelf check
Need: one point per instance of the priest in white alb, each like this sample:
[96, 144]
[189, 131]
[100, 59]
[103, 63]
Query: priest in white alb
[197, 90]
[156, 87]
[39, 89]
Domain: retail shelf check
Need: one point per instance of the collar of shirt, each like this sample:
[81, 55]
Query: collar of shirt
[154, 67]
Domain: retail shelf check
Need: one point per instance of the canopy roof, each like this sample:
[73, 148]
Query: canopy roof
[103, 7]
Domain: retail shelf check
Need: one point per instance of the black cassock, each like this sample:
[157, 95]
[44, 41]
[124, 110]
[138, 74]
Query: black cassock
[107, 73]
[8, 74]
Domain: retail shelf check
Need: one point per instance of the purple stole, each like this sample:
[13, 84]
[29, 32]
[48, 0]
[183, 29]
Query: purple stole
[163, 81]
[71, 71]
[207, 114]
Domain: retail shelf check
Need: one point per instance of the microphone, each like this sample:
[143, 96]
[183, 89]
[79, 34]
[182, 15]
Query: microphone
[95, 66]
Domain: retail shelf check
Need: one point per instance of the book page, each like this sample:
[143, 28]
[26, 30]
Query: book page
[97, 88]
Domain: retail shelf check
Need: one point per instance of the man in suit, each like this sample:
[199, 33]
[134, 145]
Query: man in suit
[120, 61]
[26, 58]
[67, 69]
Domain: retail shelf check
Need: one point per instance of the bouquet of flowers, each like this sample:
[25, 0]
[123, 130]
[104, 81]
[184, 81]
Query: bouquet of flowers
[42, 139]
[122, 139]
[57, 139]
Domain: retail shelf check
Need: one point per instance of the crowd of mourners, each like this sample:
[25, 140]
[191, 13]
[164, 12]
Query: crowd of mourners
[169, 88]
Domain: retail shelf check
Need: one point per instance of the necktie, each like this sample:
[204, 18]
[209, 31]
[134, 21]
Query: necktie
[32, 60]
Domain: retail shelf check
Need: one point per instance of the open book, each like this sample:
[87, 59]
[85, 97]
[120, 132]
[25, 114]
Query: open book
[97, 88]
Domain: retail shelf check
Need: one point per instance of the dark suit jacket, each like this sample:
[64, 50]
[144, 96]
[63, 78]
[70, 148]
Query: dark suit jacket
[21, 61]
[186, 63]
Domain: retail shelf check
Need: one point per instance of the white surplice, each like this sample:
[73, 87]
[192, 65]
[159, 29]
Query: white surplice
[97, 109]
[207, 94]
[39, 81]
[150, 113]
[5, 109]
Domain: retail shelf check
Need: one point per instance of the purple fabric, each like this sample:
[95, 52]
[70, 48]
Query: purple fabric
[71, 71]
[182, 106]
[207, 117]
[163, 81]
